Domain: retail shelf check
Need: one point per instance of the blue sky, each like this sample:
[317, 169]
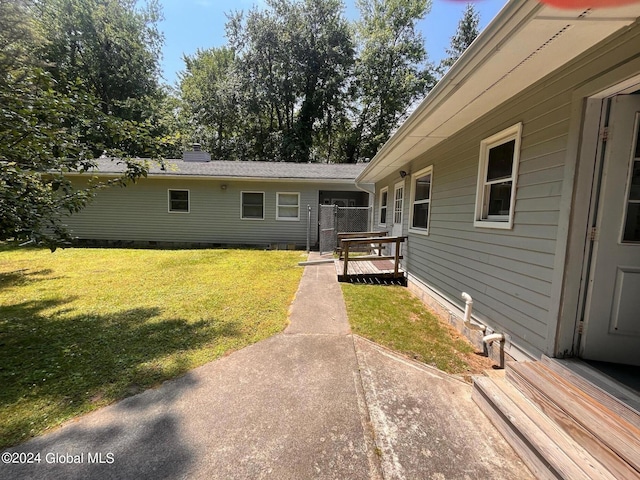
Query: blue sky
[193, 24]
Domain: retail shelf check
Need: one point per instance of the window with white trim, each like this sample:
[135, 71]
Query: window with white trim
[421, 182]
[382, 209]
[179, 201]
[252, 205]
[287, 206]
[497, 176]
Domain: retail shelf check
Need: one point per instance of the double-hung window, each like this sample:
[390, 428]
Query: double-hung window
[287, 206]
[179, 201]
[421, 200]
[497, 177]
[382, 210]
[252, 205]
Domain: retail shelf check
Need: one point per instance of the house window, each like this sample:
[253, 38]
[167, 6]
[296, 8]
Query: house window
[179, 201]
[253, 205]
[287, 206]
[384, 197]
[421, 200]
[497, 176]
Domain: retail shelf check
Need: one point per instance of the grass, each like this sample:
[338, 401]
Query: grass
[393, 317]
[81, 328]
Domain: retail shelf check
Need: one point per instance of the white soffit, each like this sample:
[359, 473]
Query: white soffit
[504, 66]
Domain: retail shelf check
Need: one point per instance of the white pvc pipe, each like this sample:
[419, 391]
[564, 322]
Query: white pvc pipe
[494, 337]
[467, 314]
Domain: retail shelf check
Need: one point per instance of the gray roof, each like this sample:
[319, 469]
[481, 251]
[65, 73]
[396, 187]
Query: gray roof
[246, 170]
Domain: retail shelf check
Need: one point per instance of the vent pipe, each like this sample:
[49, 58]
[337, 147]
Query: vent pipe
[467, 314]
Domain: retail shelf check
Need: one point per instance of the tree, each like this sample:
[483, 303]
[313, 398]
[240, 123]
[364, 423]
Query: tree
[209, 91]
[298, 83]
[466, 33]
[113, 45]
[323, 52]
[49, 126]
[293, 62]
[391, 71]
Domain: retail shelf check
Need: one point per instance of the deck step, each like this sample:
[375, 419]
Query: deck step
[598, 385]
[547, 450]
[600, 423]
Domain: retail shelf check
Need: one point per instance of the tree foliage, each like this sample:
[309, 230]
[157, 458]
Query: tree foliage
[466, 33]
[391, 71]
[298, 82]
[293, 61]
[209, 91]
[54, 121]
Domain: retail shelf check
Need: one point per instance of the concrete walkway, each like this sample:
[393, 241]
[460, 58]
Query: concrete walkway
[312, 403]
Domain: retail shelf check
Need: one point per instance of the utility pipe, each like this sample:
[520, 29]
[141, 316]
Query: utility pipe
[467, 314]
[487, 339]
[494, 337]
[308, 228]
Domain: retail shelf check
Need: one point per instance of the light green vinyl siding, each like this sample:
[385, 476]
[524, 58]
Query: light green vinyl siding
[140, 213]
[509, 273]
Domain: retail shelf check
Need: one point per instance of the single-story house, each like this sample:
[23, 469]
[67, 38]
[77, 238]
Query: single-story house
[198, 202]
[517, 180]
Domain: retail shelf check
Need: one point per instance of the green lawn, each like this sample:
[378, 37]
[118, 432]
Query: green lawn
[393, 317]
[81, 328]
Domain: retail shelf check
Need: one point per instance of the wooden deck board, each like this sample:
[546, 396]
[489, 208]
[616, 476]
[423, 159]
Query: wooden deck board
[371, 271]
[609, 438]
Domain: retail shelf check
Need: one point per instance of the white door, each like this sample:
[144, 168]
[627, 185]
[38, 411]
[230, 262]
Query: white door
[398, 208]
[611, 330]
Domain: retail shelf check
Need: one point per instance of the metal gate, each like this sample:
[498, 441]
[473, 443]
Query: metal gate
[333, 219]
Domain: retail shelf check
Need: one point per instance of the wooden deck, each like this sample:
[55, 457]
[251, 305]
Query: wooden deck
[561, 423]
[372, 270]
[377, 268]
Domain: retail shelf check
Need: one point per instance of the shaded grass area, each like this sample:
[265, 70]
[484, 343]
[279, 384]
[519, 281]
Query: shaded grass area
[391, 316]
[81, 328]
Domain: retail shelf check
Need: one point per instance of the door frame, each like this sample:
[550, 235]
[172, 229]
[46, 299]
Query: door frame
[601, 237]
[578, 204]
[400, 184]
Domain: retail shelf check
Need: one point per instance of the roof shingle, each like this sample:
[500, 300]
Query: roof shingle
[239, 169]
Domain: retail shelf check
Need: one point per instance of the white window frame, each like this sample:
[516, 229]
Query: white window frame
[242, 217]
[287, 219]
[396, 211]
[188, 210]
[414, 176]
[482, 220]
[386, 207]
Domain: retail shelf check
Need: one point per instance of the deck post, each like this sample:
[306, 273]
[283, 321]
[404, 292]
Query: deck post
[397, 259]
[369, 270]
[346, 258]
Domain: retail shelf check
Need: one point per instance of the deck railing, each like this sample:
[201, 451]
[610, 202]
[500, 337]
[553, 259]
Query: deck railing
[366, 246]
[347, 243]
